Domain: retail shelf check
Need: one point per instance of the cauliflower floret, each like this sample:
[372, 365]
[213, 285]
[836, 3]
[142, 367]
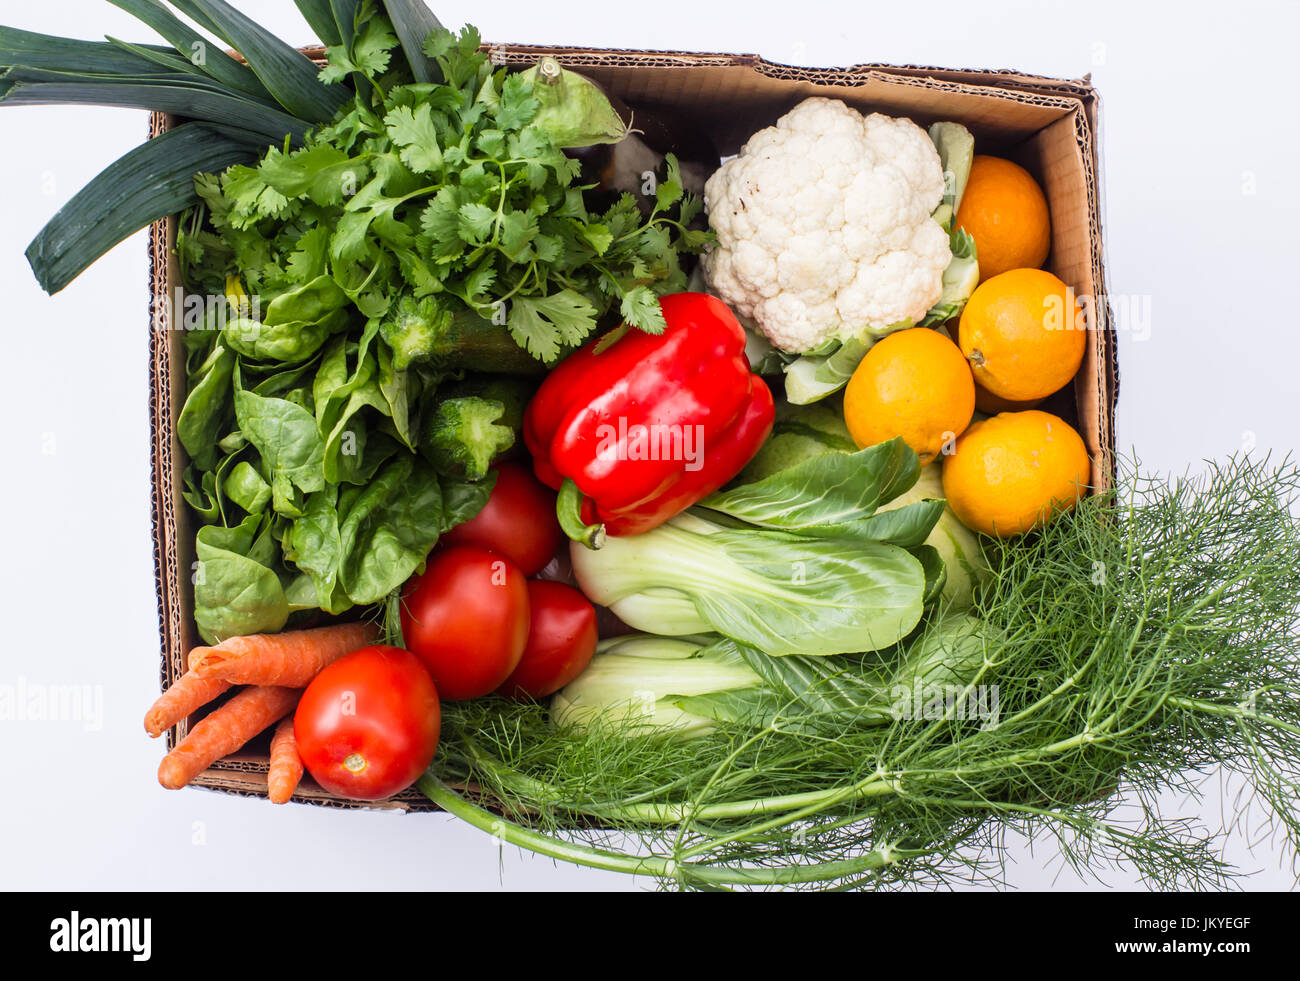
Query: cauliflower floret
[824, 228]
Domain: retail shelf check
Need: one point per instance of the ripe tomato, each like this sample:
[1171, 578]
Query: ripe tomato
[367, 725]
[561, 641]
[466, 618]
[518, 520]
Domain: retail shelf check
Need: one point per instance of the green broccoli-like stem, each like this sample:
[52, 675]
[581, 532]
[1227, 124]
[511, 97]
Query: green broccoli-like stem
[464, 436]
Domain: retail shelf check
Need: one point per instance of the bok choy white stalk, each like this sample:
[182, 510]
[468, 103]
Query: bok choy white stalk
[685, 686]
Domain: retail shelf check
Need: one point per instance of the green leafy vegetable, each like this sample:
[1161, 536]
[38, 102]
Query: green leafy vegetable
[148, 183]
[835, 495]
[956, 148]
[452, 215]
[780, 593]
[413, 22]
[570, 107]
[235, 593]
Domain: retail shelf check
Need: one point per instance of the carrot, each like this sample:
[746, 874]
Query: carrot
[290, 659]
[286, 765]
[187, 693]
[225, 730]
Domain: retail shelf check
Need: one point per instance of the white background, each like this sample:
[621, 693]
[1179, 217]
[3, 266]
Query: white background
[1200, 145]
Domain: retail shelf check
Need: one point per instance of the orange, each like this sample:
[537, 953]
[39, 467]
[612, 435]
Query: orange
[1023, 333]
[1010, 473]
[1005, 212]
[915, 384]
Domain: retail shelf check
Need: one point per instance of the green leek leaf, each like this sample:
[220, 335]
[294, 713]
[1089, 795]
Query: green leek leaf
[195, 48]
[414, 22]
[287, 73]
[169, 63]
[345, 19]
[186, 96]
[65, 54]
[319, 15]
[152, 181]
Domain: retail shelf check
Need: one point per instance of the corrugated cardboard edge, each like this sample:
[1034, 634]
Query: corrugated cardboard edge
[247, 777]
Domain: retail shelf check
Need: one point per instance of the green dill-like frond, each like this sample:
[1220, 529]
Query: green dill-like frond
[1146, 638]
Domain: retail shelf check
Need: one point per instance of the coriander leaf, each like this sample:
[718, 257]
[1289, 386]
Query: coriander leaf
[476, 183]
[439, 43]
[440, 221]
[532, 144]
[641, 309]
[369, 53]
[598, 237]
[691, 207]
[491, 143]
[415, 134]
[518, 107]
[349, 239]
[338, 65]
[518, 228]
[322, 172]
[478, 282]
[547, 248]
[417, 272]
[372, 48]
[476, 222]
[670, 190]
[459, 58]
[541, 324]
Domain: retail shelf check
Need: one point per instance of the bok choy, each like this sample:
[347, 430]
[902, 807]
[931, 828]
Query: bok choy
[796, 563]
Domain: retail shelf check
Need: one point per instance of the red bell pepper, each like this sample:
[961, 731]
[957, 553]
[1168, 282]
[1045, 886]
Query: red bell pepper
[634, 428]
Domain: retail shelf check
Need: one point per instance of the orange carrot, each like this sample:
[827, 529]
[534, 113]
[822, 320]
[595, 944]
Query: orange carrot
[286, 765]
[187, 693]
[225, 730]
[290, 659]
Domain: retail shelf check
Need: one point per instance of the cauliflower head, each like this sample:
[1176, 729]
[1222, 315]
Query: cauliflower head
[824, 228]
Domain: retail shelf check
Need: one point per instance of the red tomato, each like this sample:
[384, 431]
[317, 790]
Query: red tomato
[518, 520]
[561, 641]
[367, 725]
[467, 620]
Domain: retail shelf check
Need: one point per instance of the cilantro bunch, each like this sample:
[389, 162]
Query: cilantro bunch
[446, 212]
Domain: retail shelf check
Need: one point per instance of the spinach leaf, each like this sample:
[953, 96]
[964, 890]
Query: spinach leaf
[234, 593]
[334, 383]
[200, 493]
[464, 499]
[292, 451]
[344, 456]
[314, 545]
[295, 340]
[246, 488]
[308, 303]
[207, 409]
[389, 528]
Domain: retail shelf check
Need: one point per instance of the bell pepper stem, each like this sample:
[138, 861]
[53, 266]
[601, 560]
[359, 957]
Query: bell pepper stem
[568, 508]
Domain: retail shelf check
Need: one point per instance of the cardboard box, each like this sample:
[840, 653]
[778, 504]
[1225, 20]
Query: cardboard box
[1048, 125]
